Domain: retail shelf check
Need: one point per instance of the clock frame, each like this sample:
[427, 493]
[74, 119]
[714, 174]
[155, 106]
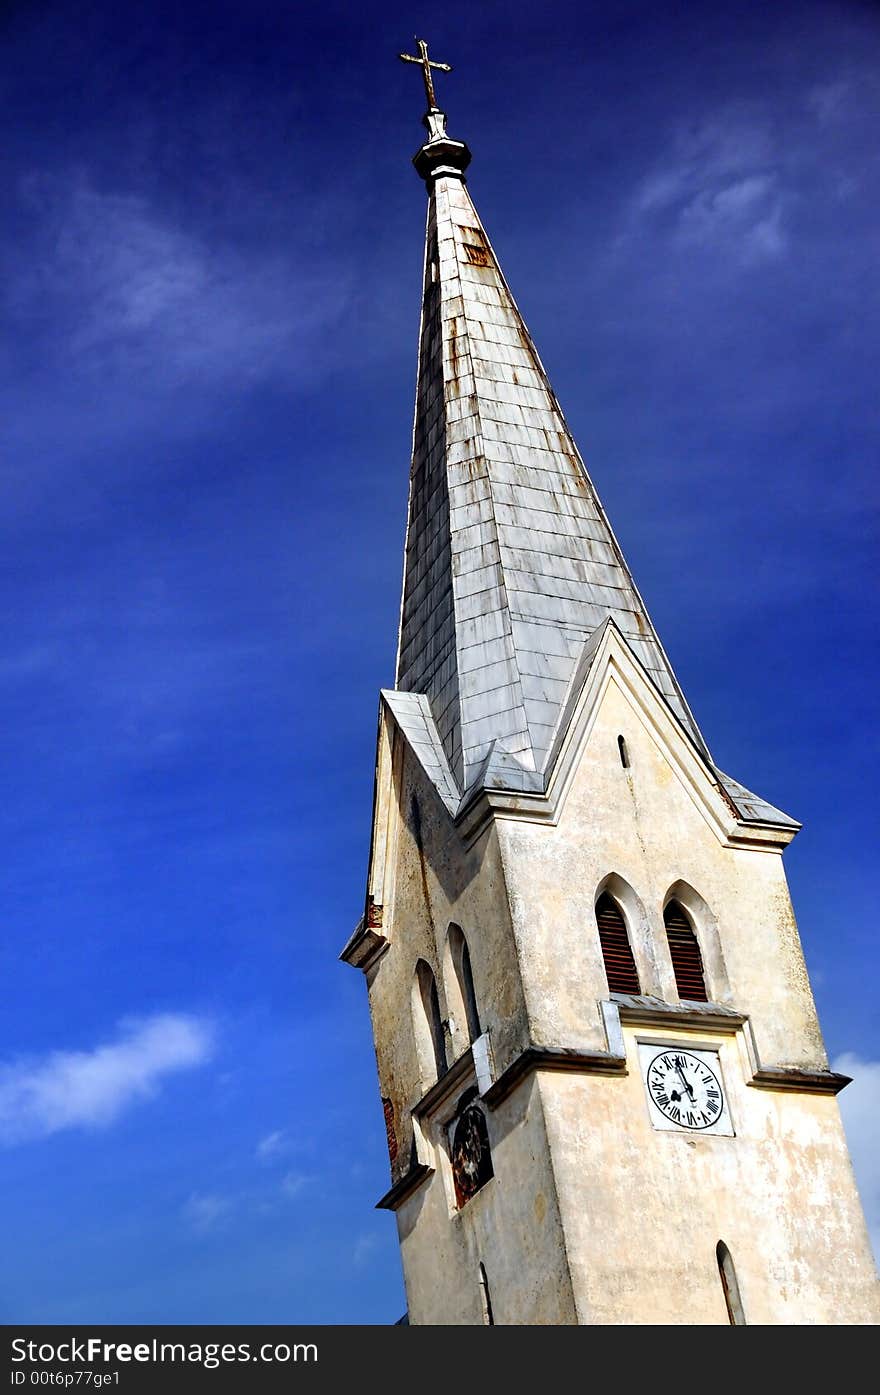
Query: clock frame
[684, 1088]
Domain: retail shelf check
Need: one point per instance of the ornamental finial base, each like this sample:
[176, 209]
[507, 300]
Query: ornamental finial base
[440, 155]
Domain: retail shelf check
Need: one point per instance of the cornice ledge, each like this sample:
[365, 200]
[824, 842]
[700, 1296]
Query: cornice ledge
[683, 1014]
[482, 805]
[448, 1084]
[555, 1058]
[761, 837]
[365, 947]
[409, 1182]
[811, 1082]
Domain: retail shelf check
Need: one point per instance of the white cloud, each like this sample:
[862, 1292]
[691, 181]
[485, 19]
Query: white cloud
[747, 211]
[71, 1089]
[121, 287]
[718, 184]
[272, 1146]
[203, 1211]
[860, 1109]
[294, 1183]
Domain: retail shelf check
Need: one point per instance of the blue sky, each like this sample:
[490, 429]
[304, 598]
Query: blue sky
[211, 238]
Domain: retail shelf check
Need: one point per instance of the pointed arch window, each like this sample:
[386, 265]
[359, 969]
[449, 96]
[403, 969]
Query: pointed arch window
[461, 963]
[428, 1022]
[730, 1285]
[620, 966]
[684, 950]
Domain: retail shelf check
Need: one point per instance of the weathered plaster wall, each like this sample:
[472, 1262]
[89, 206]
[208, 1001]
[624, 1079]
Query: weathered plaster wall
[512, 1227]
[643, 1210]
[436, 885]
[644, 825]
[642, 1235]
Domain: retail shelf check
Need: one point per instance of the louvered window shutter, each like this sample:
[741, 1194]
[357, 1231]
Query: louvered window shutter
[685, 951]
[620, 967]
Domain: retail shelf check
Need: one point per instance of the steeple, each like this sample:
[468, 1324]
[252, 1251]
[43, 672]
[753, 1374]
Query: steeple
[605, 1093]
[511, 566]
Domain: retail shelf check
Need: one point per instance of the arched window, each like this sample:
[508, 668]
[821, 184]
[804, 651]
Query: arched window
[730, 1285]
[620, 966]
[461, 964]
[428, 1023]
[684, 949]
[486, 1298]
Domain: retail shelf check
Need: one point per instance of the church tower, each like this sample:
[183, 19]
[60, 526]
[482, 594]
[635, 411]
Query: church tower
[606, 1095]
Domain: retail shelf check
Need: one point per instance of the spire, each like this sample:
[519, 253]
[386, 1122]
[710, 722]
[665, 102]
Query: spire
[511, 565]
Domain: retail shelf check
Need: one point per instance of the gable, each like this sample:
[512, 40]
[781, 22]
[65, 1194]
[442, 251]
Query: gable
[613, 678]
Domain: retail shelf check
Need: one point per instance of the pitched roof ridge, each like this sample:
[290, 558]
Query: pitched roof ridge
[431, 211]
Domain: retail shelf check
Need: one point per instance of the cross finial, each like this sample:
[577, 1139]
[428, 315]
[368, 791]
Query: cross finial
[426, 64]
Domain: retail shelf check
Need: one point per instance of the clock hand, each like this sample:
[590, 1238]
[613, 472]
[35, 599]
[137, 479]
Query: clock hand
[693, 1097]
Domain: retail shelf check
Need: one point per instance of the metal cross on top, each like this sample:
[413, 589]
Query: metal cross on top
[426, 64]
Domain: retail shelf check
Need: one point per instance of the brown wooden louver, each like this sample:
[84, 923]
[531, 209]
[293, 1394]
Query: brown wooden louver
[685, 951]
[620, 967]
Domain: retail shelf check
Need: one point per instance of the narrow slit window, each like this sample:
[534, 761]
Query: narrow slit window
[730, 1285]
[486, 1298]
[620, 966]
[684, 950]
[624, 753]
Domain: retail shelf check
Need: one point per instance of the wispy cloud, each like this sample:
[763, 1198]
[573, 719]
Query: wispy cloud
[272, 1146]
[204, 1211]
[860, 1109]
[748, 211]
[90, 1089]
[719, 184]
[294, 1183]
[114, 284]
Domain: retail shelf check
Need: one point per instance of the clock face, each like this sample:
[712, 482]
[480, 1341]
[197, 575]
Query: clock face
[685, 1089]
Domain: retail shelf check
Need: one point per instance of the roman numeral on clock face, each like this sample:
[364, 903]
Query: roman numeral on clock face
[685, 1089]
